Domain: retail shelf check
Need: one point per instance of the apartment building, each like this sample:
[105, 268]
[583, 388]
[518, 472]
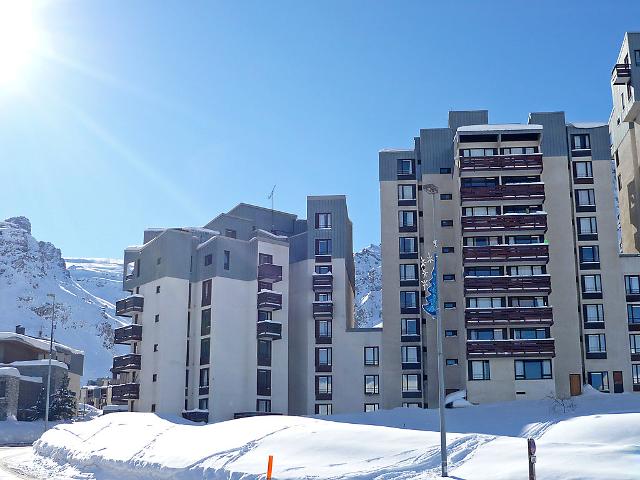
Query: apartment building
[250, 314]
[533, 289]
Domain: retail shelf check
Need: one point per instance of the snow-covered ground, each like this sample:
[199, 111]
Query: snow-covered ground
[597, 438]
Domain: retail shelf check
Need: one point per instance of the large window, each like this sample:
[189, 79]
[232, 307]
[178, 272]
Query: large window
[406, 192]
[204, 377]
[586, 197]
[481, 241]
[265, 259]
[323, 246]
[478, 152]
[589, 254]
[633, 313]
[408, 299]
[324, 409]
[324, 328]
[587, 225]
[523, 239]
[410, 382]
[206, 293]
[265, 315]
[518, 150]
[599, 380]
[483, 271]
[635, 374]
[408, 271]
[479, 370]
[323, 356]
[583, 169]
[595, 343]
[264, 353]
[528, 301]
[323, 384]
[486, 334]
[263, 405]
[485, 302]
[407, 218]
[264, 382]
[632, 284]
[409, 326]
[532, 369]
[634, 343]
[205, 322]
[593, 313]
[204, 351]
[405, 166]
[408, 245]
[580, 142]
[591, 284]
[371, 356]
[478, 211]
[371, 407]
[323, 220]
[371, 384]
[475, 182]
[410, 354]
[526, 270]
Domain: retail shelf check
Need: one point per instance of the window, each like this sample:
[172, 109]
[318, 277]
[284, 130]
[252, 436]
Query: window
[407, 218]
[595, 343]
[479, 370]
[634, 343]
[444, 170]
[204, 378]
[635, 373]
[486, 334]
[410, 382]
[451, 333]
[228, 232]
[371, 407]
[523, 239]
[323, 220]
[158, 260]
[264, 382]
[265, 259]
[448, 277]
[263, 405]
[526, 270]
[484, 271]
[529, 333]
[587, 225]
[481, 241]
[205, 322]
[519, 179]
[479, 211]
[599, 380]
[208, 260]
[408, 299]
[323, 269]
[323, 409]
[485, 302]
[264, 353]
[323, 297]
[593, 313]
[591, 284]
[157, 288]
[153, 407]
[446, 223]
[323, 357]
[154, 377]
[409, 327]
[156, 319]
[446, 196]
[324, 328]
[589, 254]
[580, 142]
[323, 384]
[583, 169]
[204, 351]
[518, 150]
[227, 259]
[637, 56]
[532, 369]
[206, 293]
[408, 245]
[264, 316]
[405, 166]
[155, 347]
[371, 384]
[410, 354]
[633, 313]
[371, 356]
[411, 405]
[323, 246]
[632, 284]
[406, 192]
[452, 362]
[523, 209]
[478, 152]
[408, 271]
[448, 249]
[585, 197]
[449, 305]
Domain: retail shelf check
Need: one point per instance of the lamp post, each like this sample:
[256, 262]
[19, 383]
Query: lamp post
[432, 307]
[53, 317]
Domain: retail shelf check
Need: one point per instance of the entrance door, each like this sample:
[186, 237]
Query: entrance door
[618, 386]
[575, 384]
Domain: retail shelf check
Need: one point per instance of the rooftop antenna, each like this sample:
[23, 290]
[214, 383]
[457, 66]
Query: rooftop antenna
[270, 197]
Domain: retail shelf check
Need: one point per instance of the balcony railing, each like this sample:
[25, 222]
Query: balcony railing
[322, 309]
[503, 192]
[130, 305]
[511, 348]
[503, 253]
[505, 315]
[128, 334]
[322, 282]
[267, 272]
[621, 74]
[487, 223]
[269, 300]
[502, 162]
[269, 330]
[127, 363]
[532, 284]
[124, 392]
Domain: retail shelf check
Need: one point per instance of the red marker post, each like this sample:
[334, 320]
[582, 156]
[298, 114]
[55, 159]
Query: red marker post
[270, 467]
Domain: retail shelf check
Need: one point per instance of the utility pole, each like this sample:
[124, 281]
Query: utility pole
[433, 308]
[53, 317]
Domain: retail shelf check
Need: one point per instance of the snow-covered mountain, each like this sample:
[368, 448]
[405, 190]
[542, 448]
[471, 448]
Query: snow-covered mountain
[368, 301]
[85, 295]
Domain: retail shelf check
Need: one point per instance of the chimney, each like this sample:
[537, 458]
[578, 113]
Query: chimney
[20, 329]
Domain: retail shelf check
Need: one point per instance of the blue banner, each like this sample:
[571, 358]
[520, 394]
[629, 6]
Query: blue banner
[431, 305]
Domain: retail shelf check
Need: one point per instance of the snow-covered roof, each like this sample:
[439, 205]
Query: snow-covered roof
[39, 343]
[9, 372]
[26, 378]
[38, 363]
[587, 124]
[499, 127]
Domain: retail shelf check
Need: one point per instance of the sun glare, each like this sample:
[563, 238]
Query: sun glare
[18, 39]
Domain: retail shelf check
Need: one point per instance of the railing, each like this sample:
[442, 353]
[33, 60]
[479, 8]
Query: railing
[322, 282]
[130, 361]
[269, 329]
[621, 74]
[511, 348]
[126, 391]
[322, 309]
[269, 300]
[502, 162]
[501, 192]
[500, 253]
[267, 272]
[128, 306]
[483, 223]
[504, 315]
[532, 284]
[127, 334]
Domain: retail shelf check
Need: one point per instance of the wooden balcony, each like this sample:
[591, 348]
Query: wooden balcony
[499, 223]
[506, 253]
[322, 282]
[126, 363]
[502, 162]
[129, 306]
[533, 284]
[539, 316]
[268, 329]
[621, 74]
[516, 191]
[511, 348]
[322, 310]
[127, 335]
[267, 272]
[269, 300]
[124, 392]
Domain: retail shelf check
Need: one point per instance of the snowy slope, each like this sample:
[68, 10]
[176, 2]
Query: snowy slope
[29, 270]
[368, 301]
[596, 439]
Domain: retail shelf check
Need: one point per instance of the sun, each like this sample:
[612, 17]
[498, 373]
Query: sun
[18, 39]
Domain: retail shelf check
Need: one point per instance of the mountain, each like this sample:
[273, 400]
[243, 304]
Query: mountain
[368, 301]
[85, 295]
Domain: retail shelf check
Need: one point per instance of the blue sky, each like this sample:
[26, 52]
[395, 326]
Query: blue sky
[147, 113]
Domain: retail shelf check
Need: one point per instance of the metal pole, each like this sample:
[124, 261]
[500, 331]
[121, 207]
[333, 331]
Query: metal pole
[53, 316]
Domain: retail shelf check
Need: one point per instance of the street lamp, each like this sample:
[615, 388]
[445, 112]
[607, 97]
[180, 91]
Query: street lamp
[432, 307]
[53, 317]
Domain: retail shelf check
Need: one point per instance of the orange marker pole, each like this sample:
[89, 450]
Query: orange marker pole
[270, 467]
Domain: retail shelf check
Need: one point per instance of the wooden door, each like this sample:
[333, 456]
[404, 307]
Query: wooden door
[575, 384]
[618, 385]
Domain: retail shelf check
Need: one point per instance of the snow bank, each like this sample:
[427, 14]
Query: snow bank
[9, 372]
[12, 432]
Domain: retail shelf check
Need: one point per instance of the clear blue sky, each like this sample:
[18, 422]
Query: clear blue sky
[165, 113]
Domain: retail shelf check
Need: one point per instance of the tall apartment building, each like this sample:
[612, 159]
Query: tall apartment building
[251, 314]
[534, 296]
[625, 82]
